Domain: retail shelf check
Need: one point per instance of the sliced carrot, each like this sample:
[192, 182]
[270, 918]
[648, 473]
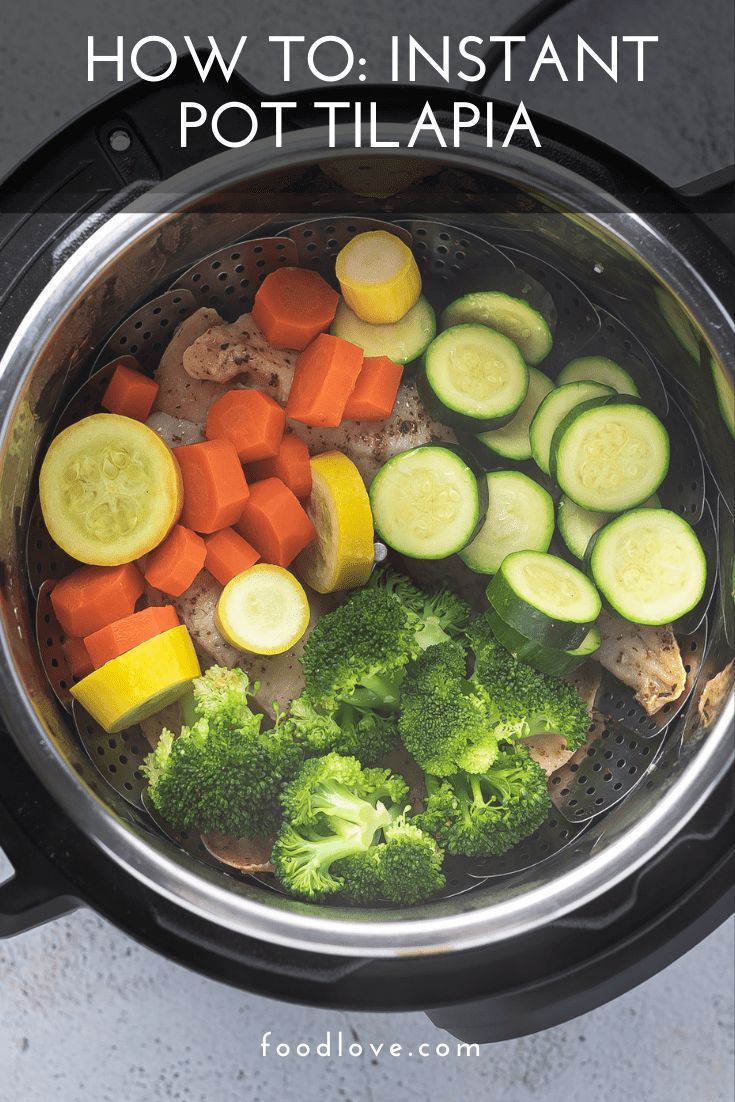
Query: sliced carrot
[175, 563]
[228, 555]
[292, 465]
[130, 393]
[294, 305]
[324, 377]
[77, 657]
[375, 390]
[250, 420]
[121, 636]
[275, 523]
[93, 596]
[215, 488]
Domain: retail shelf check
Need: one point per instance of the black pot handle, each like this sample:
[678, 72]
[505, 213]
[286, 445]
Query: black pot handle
[36, 893]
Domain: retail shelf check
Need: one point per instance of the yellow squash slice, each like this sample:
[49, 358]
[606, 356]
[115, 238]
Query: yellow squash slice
[139, 683]
[378, 276]
[110, 490]
[264, 610]
[342, 555]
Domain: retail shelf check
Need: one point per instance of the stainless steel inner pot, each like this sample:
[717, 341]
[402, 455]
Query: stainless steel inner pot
[625, 262]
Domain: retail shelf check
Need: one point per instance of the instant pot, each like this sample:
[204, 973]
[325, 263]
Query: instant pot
[108, 223]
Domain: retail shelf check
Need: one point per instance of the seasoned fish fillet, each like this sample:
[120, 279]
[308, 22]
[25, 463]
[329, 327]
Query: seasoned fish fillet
[370, 444]
[181, 396]
[715, 692]
[244, 854]
[224, 352]
[646, 659]
[175, 431]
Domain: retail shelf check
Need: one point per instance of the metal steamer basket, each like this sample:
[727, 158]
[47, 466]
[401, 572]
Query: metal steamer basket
[617, 278]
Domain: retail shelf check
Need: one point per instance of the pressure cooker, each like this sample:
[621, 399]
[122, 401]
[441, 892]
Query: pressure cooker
[108, 237]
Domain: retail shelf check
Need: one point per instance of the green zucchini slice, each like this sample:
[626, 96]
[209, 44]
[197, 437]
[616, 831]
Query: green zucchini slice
[552, 411]
[544, 598]
[609, 455]
[545, 659]
[473, 377]
[512, 441]
[649, 566]
[577, 526]
[513, 317]
[598, 369]
[520, 517]
[427, 502]
[402, 341]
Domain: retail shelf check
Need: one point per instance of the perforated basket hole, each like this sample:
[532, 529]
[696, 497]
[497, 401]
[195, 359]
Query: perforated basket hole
[118, 758]
[50, 640]
[444, 252]
[147, 331]
[601, 774]
[684, 488]
[226, 281]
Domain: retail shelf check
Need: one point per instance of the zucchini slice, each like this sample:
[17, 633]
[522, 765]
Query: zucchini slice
[427, 502]
[649, 566]
[598, 369]
[544, 598]
[401, 341]
[512, 441]
[725, 389]
[577, 526]
[552, 411]
[520, 517]
[513, 317]
[543, 658]
[609, 455]
[473, 377]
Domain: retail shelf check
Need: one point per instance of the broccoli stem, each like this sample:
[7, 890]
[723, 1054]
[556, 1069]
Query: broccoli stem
[377, 691]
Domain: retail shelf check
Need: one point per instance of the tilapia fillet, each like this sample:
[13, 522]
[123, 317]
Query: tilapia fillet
[647, 659]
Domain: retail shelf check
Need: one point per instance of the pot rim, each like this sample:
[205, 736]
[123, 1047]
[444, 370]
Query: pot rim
[166, 874]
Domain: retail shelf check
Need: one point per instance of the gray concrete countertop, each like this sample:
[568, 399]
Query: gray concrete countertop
[86, 1014]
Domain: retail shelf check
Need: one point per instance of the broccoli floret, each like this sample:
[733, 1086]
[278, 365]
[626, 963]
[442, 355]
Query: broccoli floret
[222, 773]
[487, 814]
[345, 831]
[357, 654]
[438, 615]
[366, 735]
[528, 702]
[222, 697]
[339, 785]
[447, 722]
[405, 868]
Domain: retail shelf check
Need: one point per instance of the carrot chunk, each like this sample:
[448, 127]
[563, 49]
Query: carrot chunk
[175, 563]
[375, 390]
[250, 420]
[215, 488]
[292, 465]
[324, 377]
[93, 596]
[77, 657]
[130, 393]
[294, 305]
[275, 523]
[121, 636]
[228, 555]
